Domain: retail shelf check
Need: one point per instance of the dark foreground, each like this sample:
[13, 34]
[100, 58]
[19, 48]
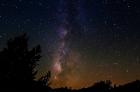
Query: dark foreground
[102, 86]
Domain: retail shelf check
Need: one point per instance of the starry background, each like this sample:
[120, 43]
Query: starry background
[82, 41]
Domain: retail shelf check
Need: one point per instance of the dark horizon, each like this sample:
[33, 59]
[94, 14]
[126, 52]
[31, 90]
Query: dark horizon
[90, 86]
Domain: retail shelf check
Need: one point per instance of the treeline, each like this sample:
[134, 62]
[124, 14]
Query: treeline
[17, 66]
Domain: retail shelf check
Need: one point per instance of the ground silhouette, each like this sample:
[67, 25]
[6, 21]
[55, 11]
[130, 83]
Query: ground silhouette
[17, 72]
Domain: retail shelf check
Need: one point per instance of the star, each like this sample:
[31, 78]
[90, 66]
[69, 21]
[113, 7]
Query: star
[1, 36]
[127, 70]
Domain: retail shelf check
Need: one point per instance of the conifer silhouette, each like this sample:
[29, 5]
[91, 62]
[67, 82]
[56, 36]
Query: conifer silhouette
[17, 68]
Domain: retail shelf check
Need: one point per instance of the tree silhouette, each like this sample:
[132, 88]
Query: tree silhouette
[43, 83]
[17, 68]
[103, 86]
[44, 80]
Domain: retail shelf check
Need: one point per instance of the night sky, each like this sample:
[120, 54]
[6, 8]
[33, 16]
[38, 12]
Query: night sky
[82, 41]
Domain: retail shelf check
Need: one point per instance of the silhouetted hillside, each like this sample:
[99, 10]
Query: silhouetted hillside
[105, 86]
[130, 87]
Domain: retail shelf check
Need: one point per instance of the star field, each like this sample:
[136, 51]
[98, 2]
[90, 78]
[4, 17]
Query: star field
[82, 41]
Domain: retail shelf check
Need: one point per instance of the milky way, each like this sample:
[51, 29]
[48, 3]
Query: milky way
[82, 41]
[60, 53]
[63, 59]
